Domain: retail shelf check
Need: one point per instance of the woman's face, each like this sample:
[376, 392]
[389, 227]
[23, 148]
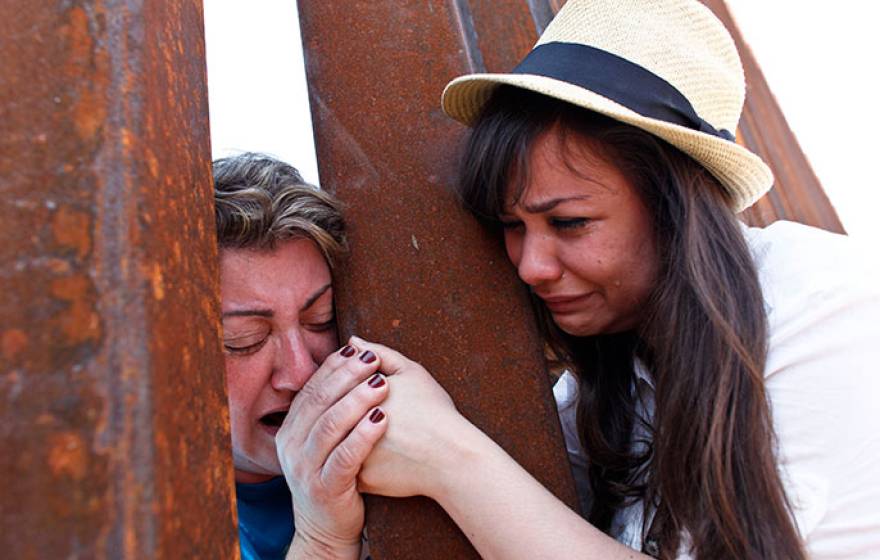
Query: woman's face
[581, 238]
[278, 326]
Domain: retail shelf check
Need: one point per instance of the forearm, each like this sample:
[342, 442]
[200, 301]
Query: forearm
[507, 514]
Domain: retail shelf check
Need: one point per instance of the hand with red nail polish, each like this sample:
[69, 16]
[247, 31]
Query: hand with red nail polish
[333, 424]
[425, 425]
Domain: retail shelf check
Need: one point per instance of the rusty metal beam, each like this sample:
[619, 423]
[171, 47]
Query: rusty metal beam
[113, 415]
[423, 276]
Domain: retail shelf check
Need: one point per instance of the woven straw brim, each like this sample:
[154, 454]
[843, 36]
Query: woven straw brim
[745, 176]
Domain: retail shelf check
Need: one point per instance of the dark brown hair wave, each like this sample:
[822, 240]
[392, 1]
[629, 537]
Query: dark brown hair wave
[709, 473]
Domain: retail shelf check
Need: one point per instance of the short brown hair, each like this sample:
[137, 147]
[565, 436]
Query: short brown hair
[260, 201]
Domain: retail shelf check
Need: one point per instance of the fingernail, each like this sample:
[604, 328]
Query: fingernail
[348, 351]
[368, 357]
[376, 381]
[377, 416]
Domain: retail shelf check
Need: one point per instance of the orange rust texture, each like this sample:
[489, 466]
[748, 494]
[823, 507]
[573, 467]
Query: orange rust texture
[423, 276]
[114, 426]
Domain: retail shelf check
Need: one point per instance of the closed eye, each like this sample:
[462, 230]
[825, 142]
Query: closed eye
[569, 223]
[246, 349]
[323, 327]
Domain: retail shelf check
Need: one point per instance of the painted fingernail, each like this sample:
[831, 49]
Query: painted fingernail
[377, 416]
[368, 357]
[348, 351]
[376, 381]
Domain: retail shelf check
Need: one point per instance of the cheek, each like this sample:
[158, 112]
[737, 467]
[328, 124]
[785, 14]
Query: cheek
[243, 382]
[513, 246]
[322, 345]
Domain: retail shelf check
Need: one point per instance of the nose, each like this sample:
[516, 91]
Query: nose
[536, 259]
[294, 364]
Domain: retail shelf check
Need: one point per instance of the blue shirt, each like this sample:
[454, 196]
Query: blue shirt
[265, 519]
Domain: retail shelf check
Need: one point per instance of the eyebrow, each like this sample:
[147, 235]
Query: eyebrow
[269, 313]
[248, 312]
[551, 204]
[320, 292]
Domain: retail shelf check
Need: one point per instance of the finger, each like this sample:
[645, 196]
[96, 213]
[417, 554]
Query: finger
[344, 463]
[338, 421]
[392, 361]
[338, 375]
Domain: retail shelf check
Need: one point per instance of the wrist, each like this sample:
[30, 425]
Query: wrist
[305, 547]
[458, 461]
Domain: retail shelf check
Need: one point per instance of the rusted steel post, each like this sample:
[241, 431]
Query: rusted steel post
[113, 417]
[423, 277]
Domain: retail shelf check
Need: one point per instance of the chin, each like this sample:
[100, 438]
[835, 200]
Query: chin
[582, 327]
[577, 329]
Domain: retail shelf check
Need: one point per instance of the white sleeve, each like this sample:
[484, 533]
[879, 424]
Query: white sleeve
[565, 392]
[823, 384]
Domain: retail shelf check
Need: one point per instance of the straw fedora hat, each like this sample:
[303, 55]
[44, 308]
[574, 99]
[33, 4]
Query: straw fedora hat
[668, 67]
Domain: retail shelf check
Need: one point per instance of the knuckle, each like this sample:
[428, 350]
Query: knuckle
[347, 458]
[316, 393]
[328, 427]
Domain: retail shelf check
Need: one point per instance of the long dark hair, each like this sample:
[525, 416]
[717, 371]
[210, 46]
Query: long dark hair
[707, 472]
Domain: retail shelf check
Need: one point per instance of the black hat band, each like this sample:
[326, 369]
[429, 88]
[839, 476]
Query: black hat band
[617, 79]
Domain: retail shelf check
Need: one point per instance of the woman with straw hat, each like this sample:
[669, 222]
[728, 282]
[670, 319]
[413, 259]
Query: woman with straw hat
[719, 402]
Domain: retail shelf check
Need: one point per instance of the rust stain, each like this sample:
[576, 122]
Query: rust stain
[79, 322]
[58, 266]
[89, 113]
[125, 137]
[67, 455]
[152, 165]
[89, 107]
[13, 342]
[72, 229]
[76, 35]
[157, 282]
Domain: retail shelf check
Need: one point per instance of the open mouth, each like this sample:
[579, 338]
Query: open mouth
[274, 419]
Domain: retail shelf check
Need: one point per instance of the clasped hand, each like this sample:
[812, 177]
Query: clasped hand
[336, 441]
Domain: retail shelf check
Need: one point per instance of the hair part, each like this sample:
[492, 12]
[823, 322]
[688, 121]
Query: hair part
[260, 202]
[709, 470]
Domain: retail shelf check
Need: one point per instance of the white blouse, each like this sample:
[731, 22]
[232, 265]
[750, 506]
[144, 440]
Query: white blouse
[822, 296]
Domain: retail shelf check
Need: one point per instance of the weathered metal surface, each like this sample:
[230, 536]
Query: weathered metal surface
[797, 194]
[113, 415]
[423, 276]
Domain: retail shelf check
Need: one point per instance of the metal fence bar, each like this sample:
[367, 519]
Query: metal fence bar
[113, 416]
[423, 276]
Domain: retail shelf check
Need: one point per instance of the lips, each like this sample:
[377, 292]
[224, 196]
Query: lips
[272, 421]
[565, 303]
